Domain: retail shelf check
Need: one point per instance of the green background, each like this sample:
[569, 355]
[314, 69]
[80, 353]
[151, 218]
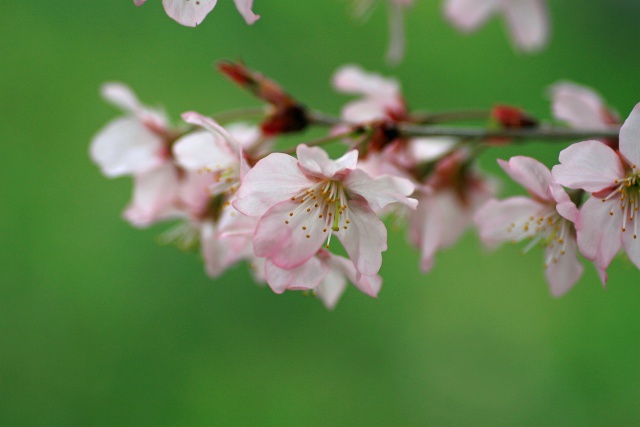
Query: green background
[101, 326]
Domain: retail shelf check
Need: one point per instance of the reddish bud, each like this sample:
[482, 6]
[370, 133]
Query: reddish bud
[512, 117]
[288, 114]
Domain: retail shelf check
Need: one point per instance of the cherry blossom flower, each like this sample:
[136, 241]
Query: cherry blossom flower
[192, 12]
[547, 218]
[608, 219]
[382, 101]
[583, 108]
[302, 203]
[324, 273]
[447, 202]
[527, 20]
[213, 161]
[137, 145]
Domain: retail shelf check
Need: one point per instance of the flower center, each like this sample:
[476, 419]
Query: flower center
[628, 192]
[324, 204]
[549, 230]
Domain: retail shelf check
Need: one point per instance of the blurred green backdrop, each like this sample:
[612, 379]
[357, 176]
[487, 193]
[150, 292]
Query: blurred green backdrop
[101, 326]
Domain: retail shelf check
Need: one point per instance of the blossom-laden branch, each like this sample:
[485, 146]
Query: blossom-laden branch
[237, 198]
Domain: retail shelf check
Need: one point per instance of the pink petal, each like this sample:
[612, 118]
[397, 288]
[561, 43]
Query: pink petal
[599, 231]
[273, 179]
[564, 273]
[364, 110]
[427, 231]
[631, 245]
[630, 138]
[589, 165]
[306, 276]
[331, 289]
[565, 207]
[315, 161]
[369, 285]
[204, 150]
[468, 15]
[188, 12]
[213, 127]
[139, 2]
[578, 105]
[427, 149]
[365, 238]
[353, 79]
[530, 173]
[381, 191]
[287, 244]
[528, 22]
[154, 194]
[125, 146]
[244, 7]
[505, 220]
[121, 96]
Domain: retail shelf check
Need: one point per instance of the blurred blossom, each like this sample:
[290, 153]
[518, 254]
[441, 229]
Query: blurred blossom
[527, 20]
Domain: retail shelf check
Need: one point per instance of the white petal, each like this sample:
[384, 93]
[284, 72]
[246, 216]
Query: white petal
[315, 161]
[530, 173]
[599, 233]
[273, 179]
[564, 273]
[154, 195]
[508, 220]
[282, 238]
[528, 22]
[578, 105]
[353, 79]
[331, 289]
[244, 7]
[125, 146]
[204, 150]
[589, 165]
[468, 15]
[631, 244]
[381, 191]
[306, 276]
[365, 238]
[188, 12]
[630, 138]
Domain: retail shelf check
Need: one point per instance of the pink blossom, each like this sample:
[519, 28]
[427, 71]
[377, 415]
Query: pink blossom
[324, 273]
[527, 20]
[138, 145]
[213, 162]
[382, 100]
[447, 202]
[302, 203]
[583, 108]
[608, 219]
[547, 217]
[191, 12]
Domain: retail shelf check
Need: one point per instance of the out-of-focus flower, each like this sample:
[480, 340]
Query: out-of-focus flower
[324, 273]
[213, 162]
[447, 202]
[608, 219]
[547, 217]
[302, 202]
[192, 12]
[527, 20]
[383, 106]
[138, 145]
[583, 108]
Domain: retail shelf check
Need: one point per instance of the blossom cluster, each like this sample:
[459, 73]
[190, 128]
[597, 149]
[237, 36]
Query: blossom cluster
[236, 198]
